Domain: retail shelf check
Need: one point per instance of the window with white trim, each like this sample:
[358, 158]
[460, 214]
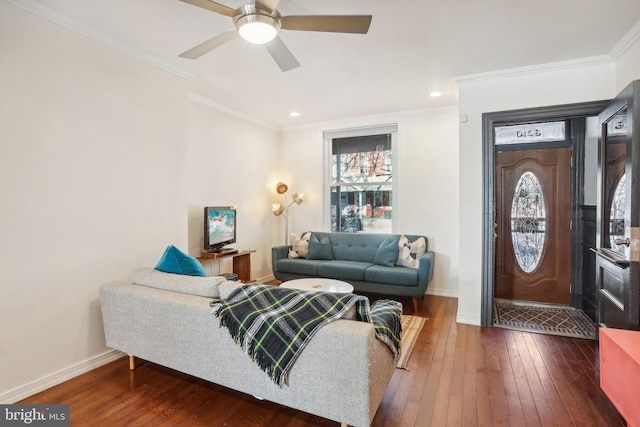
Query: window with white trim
[360, 179]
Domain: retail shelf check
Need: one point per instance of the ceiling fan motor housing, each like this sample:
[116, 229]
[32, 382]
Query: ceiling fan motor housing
[250, 14]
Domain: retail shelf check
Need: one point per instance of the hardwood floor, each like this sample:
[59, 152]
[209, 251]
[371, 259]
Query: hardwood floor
[459, 375]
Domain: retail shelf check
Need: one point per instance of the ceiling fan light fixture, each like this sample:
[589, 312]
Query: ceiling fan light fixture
[257, 28]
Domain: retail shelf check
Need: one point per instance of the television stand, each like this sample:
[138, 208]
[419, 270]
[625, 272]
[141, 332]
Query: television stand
[241, 261]
[223, 251]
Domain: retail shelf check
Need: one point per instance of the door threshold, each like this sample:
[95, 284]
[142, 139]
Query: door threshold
[529, 303]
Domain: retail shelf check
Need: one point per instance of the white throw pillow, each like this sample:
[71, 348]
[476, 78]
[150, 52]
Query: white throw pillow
[299, 245]
[410, 252]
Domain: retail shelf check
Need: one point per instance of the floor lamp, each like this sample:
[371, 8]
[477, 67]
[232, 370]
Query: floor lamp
[283, 209]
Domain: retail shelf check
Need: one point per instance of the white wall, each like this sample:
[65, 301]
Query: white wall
[628, 62]
[232, 161]
[427, 177]
[509, 91]
[93, 184]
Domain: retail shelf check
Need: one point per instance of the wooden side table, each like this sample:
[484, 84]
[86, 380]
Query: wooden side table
[241, 262]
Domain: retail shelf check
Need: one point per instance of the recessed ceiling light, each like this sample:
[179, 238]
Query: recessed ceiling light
[435, 94]
[294, 114]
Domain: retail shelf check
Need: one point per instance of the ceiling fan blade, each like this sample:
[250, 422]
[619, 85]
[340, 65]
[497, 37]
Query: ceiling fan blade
[212, 6]
[281, 54]
[209, 45]
[269, 5]
[328, 23]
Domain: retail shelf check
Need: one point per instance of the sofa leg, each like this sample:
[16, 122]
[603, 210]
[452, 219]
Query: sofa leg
[132, 362]
[344, 425]
[415, 304]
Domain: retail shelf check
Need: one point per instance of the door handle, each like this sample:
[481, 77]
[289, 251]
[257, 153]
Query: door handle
[624, 241]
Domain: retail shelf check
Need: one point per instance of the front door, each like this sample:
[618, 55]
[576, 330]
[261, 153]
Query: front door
[533, 215]
[618, 213]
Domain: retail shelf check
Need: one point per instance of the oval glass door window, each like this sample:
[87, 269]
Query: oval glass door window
[528, 225]
[616, 216]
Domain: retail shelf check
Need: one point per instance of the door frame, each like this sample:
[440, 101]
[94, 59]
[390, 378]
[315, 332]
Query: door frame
[491, 120]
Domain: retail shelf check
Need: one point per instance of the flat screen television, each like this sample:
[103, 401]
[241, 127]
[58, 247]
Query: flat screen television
[219, 228]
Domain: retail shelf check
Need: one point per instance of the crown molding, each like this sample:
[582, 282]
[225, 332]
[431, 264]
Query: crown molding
[374, 118]
[625, 42]
[632, 36]
[533, 69]
[223, 108]
[71, 24]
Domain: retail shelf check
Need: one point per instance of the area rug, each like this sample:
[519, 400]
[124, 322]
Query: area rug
[411, 327]
[564, 321]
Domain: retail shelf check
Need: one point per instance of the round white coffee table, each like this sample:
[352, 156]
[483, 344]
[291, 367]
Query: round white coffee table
[319, 284]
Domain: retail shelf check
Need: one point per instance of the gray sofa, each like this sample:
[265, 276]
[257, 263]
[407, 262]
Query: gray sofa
[356, 258]
[341, 375]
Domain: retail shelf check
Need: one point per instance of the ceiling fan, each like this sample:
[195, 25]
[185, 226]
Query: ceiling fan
[260, 22]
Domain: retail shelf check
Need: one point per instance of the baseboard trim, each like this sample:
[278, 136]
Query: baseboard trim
[468, 320]
[48, 381]
[442, 292]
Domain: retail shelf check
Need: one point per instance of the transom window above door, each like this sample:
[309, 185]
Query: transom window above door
[531, 133]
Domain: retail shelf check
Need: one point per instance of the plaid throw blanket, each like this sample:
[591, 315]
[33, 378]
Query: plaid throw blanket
[274, 324]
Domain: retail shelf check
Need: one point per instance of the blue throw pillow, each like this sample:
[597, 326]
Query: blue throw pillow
[320, 249]
[387, 253]
[177, 262]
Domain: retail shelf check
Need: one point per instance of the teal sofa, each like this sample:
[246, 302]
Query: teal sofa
[368, 261]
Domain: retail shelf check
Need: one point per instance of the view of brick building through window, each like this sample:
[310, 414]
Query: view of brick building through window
[361, 183]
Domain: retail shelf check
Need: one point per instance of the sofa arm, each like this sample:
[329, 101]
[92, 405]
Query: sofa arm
[425, 270]
[278, 253]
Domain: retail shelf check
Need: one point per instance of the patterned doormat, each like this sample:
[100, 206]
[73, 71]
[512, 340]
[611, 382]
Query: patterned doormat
[564, 321]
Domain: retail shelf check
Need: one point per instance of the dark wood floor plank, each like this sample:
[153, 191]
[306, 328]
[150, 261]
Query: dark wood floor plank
[428, 396]
[569, 390]
[443, 390]
[500, 410]
[456, 398]
[512, 399]
[529, 409]
[458, 375]
[483, 387]
[543, 406]
[596, 406]
[470, 398]
[559, 411]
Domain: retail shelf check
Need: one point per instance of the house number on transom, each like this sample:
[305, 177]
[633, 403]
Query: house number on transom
[528, 225]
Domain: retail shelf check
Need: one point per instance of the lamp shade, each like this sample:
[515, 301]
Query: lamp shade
[277, 209]
[281, 188]
[298, 197]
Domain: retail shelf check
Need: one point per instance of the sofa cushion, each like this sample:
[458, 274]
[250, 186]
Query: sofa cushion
[299, 245]
[202, 286]
[175, 261]
[397, 276]
[355, 246]
[305, 267]
[343, 270]
[409, 253]
[387, 253]
[319, 248]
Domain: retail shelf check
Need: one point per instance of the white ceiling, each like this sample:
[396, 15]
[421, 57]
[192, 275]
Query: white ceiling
[413, 47]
